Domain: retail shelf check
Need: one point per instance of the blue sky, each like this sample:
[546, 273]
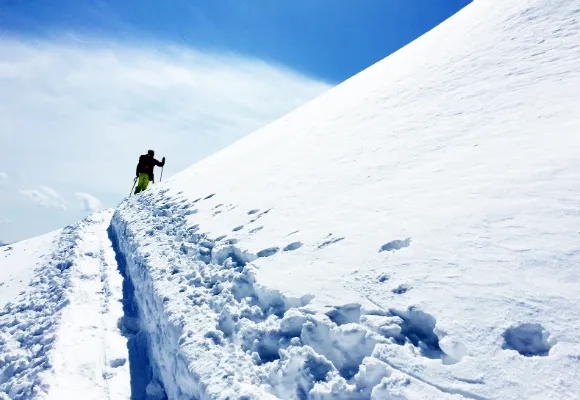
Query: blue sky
[88, 86]
[328, 39]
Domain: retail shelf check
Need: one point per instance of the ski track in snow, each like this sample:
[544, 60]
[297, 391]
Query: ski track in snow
[89, 323]
[59, 337]
[214, 332]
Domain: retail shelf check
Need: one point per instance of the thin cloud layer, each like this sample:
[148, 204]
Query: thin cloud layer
[77, 114]
[89, 203]
[46, 197]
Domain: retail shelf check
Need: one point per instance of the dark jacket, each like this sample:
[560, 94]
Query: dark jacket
[146, 165]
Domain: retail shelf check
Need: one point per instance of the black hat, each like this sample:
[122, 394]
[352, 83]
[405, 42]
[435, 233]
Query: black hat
[151, 152]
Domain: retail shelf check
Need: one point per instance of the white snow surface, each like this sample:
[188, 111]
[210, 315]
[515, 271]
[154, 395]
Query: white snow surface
[412, 233]
[17, 263]
[59, 337]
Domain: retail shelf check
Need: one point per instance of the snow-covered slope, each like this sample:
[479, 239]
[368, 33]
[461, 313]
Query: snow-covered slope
[17, 262]
[59, 337]
[412, 233]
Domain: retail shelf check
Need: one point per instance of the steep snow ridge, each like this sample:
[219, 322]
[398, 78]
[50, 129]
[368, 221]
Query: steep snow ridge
[412, 232]
[59, 337]
[176, 300]
[213, 331]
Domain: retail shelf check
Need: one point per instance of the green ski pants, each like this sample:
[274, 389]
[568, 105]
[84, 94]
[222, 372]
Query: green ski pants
[142, 183]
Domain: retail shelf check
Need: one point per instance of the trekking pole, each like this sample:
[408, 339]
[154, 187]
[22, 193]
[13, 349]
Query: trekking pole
[134, 183]
[161, 177]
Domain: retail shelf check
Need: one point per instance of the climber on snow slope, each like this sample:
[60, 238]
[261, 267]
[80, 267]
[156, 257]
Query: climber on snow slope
[145, 170]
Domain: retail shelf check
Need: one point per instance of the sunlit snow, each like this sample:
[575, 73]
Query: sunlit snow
[411, 234]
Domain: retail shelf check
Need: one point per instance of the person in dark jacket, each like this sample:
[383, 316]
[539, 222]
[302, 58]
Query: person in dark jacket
[145, 170]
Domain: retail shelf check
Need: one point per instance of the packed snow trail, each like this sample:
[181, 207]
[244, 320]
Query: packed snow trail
[142, 384]
[90, 354]
[60, 338]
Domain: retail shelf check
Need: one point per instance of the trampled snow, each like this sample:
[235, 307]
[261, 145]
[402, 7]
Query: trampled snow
[411, 234]
[59, 338]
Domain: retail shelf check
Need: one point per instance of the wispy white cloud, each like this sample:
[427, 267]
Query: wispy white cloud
[89, 203]
[46, 197]
[53, 194]
[78, 114]
[3, 180]
[185, 104]
[4, 220]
